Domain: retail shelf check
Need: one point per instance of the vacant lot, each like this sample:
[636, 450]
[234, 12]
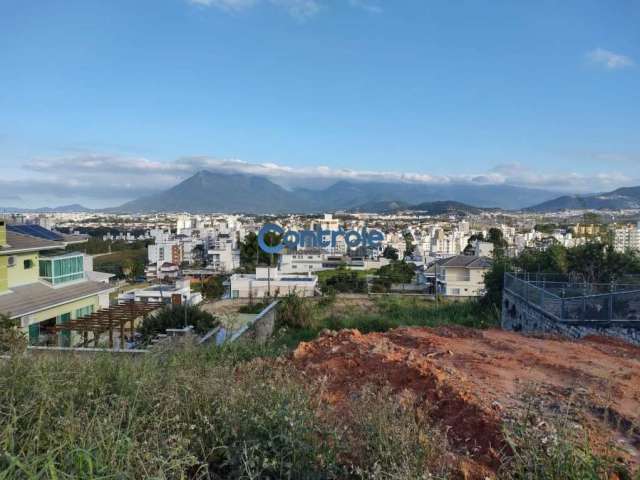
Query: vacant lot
[480, 384]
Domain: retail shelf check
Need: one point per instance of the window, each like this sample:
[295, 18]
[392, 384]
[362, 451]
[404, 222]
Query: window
[455, 291]
[28, 264]
[11, 261]
[57, 270]
[84, 311]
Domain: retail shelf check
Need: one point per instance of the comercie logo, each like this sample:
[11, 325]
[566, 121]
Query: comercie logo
[317, 238]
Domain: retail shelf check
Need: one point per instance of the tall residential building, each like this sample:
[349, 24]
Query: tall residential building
[627, 237]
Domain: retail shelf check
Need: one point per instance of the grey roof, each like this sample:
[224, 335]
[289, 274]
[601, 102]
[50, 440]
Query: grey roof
[19, 243]
[35, 297]
[466, 261]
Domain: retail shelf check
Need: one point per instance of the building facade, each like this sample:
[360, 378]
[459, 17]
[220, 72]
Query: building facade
[42, 286]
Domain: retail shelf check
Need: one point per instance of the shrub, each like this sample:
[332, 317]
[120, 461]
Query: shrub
[392, 438]
[295, 311]
[12, 339]
[552, 446]
[157, 417]
[213, 288]
[177, 316]
[343, 280]
[253, 307]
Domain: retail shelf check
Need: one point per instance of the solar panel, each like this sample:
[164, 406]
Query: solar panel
[35, 231]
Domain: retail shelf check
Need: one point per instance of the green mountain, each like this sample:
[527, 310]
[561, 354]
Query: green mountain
[229, 193]
[620, 199]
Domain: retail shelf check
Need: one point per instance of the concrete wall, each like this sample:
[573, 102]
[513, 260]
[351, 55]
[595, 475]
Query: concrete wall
[520, 316]
[263, 326]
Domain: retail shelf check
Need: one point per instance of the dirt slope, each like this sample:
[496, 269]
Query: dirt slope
[474, 380]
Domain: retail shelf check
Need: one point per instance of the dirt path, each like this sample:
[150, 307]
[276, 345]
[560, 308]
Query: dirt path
[474, 380]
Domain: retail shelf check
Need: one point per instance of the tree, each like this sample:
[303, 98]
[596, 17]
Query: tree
[213, 288]
[344, 281]
[12, 339]
[410, 247]
[132, 268]
[552, 260]
[494, 282]
[177, 316]
[251, 254]
[390, 253]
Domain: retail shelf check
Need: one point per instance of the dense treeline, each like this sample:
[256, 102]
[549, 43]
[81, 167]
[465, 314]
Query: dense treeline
[591, 263]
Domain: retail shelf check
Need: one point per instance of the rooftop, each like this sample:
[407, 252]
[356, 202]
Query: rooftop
[37, 296]
[18, 242]
[466, 261]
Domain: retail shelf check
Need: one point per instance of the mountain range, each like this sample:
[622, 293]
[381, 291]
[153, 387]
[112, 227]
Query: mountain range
[239, 193]
[207, 192]
[622, 198]
[74, 208]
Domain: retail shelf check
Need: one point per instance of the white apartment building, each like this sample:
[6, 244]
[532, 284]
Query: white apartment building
[270, 282]
[300, 262]
[627, 237]
[222, 255]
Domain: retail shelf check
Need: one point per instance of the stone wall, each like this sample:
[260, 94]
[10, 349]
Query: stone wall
[521, 316]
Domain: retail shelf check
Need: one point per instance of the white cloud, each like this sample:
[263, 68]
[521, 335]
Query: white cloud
[608, 59]
[366, 5]
[226, 4]
[114, 178]
[299, 9]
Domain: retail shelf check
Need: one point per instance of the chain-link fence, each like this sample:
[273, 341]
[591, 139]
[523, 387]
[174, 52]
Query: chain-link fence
[572, 301]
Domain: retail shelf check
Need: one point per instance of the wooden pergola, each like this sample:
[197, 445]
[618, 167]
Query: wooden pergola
[107, 320]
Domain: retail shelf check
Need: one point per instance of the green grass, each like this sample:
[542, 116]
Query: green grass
[239, 412]
[324, 275]
[193, 414]
[114, 262]
[389, 312]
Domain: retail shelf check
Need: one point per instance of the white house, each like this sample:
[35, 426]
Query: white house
[270, 282]
[179, 292]
[461, 275]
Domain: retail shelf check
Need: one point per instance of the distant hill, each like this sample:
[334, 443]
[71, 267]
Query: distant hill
[74, 208]
[446, 207]
[381, 207]
[239, 193]
[622, 198]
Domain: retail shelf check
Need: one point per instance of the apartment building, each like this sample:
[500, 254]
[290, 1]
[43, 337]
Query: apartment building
[626, 237]
[41, 285]
[223, 255]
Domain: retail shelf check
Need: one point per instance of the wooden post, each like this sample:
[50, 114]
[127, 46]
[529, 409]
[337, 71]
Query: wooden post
[122, 344]
[110, 328]
[133, 317]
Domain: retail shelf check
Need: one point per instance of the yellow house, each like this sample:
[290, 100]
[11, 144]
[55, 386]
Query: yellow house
[41, 285]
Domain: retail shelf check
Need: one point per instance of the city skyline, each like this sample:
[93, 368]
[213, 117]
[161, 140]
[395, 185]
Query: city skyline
[105, 103]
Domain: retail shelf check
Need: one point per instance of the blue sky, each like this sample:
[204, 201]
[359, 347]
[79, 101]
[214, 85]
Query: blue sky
[104, 101]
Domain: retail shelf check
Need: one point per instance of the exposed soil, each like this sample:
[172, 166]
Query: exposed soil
[473, 381]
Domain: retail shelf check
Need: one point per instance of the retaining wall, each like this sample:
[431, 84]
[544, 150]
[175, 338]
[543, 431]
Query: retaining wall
[521, 316]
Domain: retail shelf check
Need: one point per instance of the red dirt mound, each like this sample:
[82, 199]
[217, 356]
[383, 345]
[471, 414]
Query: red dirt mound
[473, 380]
